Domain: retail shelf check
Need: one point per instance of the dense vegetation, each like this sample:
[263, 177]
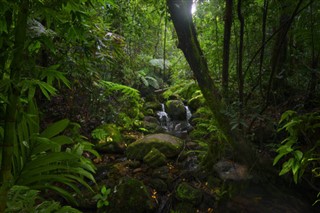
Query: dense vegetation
[78, 74]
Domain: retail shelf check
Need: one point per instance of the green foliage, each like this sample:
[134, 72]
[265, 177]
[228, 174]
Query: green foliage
[40, 161]
[128, 114]
[102, 197]
[148, 80]
[185, 88]
[129, 92]
[159, 63]
[23, 199]
[300, 147]
[107, 133]
[212, 139]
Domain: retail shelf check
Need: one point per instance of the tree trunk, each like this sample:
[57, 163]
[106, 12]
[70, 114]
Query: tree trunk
[277, 79]
[226, 47]
[240, 57]
[12, 106]
[264, 27]
[311, 100]
[180, 11]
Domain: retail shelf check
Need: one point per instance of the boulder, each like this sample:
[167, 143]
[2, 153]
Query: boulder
[154, 106]
[152, 124]
[167, 144]
[188, 193]
[155, 158]
[131, 195]
[176, 110]
[229, 170]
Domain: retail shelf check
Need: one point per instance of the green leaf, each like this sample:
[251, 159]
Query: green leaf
[62, 140]
[286, 115]
[103, 190]
[298, 155]
[153, 82]
[46, 89]
[55, 128]
[286, 167]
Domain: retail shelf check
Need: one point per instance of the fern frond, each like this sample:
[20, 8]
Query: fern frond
[127, 91]
[153, 82]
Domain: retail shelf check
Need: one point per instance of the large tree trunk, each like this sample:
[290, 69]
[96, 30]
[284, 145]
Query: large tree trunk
[180, 11]
[240, 57]
[226, 47]
[277, 79]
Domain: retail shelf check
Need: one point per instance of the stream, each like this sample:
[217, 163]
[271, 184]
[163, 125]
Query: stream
[180, 184]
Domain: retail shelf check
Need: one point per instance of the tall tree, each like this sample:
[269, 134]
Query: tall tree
[240, 56]
[277, 78]
[180, 11]
[226, 46]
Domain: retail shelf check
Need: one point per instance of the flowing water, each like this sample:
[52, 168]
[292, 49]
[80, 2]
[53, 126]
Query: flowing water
[164, 118]
[170, 125]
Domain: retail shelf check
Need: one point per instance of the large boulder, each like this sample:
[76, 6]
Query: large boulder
[188, 193]
[176, 110]
[131, 196]
[167, 144]
[155, 158]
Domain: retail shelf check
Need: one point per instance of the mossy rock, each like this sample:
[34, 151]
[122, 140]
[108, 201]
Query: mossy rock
[184, 208]
[155, 106]
[176, 110]
[167, 144]
[158, 184]
[111, 147]
[187, 193]
[196, 101]
[155, 158]
[131, 196]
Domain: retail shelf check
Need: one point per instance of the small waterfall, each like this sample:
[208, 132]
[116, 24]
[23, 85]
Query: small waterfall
[188, 113]
[174, 126]
[163, 117]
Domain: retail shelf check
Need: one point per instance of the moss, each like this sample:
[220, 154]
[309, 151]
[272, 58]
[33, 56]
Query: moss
[131, 196]
[176, 109]
[155, 158]
[187, 193]
[169, 145]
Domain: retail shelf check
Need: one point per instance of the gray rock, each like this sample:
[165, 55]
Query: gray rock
[229, 170]
[187, 193]
[176, 110]
[155, 158]
[167, 144]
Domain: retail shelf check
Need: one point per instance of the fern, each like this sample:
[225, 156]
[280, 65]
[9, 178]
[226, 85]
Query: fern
[124, 94]
[148, 80]
[24, 199]
[127, 91]
[152, 82]
[40, 161]
[185, 89]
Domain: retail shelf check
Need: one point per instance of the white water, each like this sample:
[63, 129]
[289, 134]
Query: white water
[169, 125]
[188, 113]
[163, 117]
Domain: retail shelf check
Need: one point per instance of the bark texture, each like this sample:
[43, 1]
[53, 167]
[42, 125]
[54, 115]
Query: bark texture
[226, 46]
[180, 11]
